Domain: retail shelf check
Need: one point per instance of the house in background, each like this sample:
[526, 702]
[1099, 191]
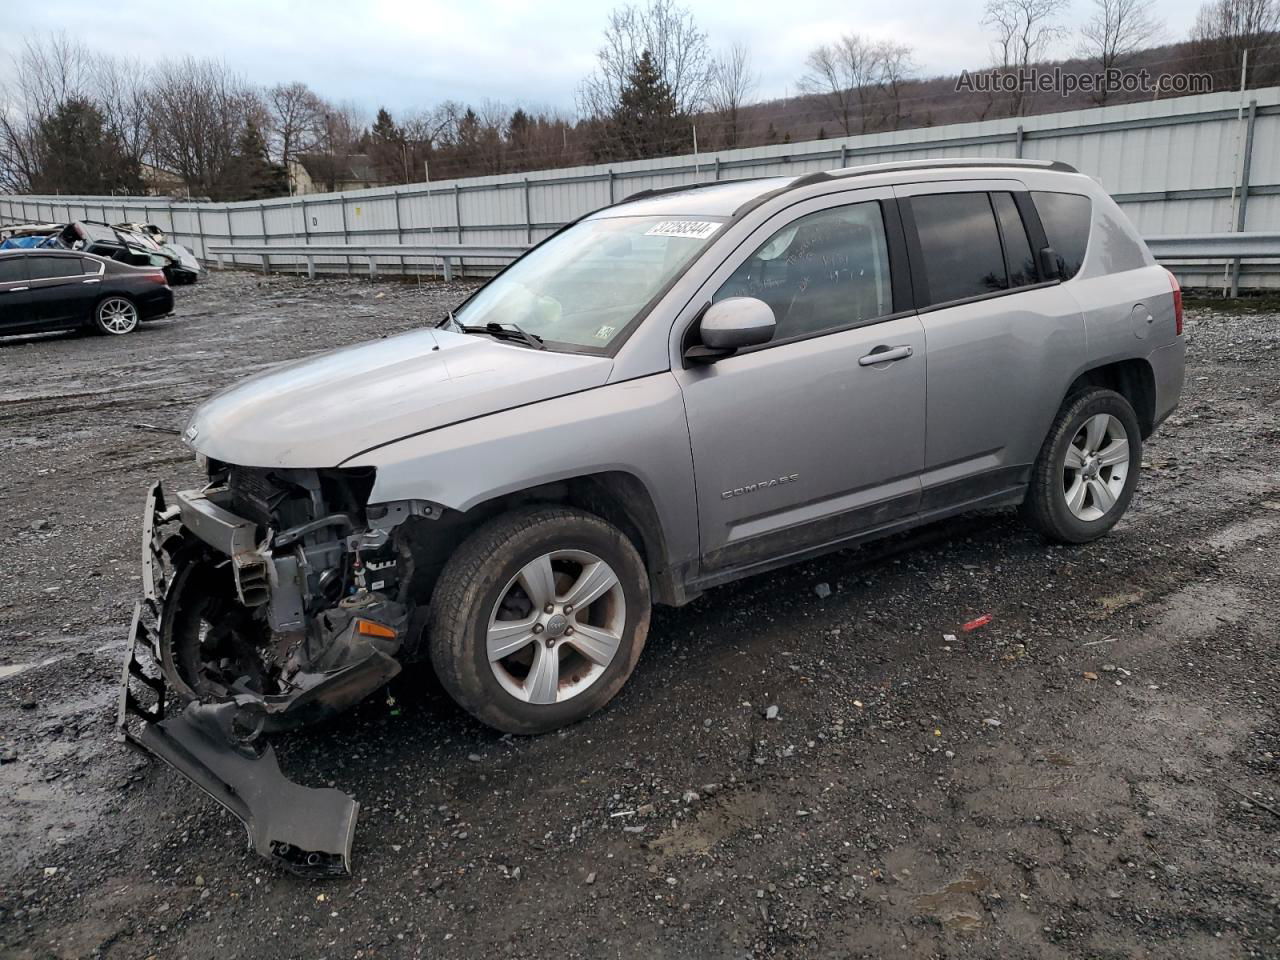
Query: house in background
[323, 173]
[160, 182]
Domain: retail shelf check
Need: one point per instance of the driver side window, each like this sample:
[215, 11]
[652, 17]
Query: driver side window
[826, 270]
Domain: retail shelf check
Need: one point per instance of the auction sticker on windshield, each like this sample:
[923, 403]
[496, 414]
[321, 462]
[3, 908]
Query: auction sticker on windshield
[692, 229]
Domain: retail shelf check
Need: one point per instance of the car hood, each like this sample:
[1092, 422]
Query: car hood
[323, 410]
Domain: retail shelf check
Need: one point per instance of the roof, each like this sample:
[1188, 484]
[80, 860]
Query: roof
[353, 166]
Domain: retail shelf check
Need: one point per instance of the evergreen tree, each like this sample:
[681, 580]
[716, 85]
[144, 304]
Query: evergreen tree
[252, 175]
[79, 155]
[646, 121]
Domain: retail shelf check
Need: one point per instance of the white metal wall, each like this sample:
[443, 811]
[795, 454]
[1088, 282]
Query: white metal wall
[1171, 164]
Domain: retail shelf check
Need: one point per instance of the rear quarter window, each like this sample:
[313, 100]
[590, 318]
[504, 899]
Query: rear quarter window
[1066, 218]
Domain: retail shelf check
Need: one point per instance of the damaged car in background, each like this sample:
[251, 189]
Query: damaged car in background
[137, 249]
[689, 387]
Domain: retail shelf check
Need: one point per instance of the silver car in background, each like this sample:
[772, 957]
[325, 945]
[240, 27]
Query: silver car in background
[689, 387]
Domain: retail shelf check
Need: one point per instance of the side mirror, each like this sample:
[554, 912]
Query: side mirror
[730, 325]
[1049, 264]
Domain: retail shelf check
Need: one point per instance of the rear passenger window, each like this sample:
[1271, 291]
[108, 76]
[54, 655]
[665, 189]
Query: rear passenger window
[90, 266]
[824, 271]
[12, 269]
[47, 268]
[1066, 219]
[961, 245]
[1017, 248]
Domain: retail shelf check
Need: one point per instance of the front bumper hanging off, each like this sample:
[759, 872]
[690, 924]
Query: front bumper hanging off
[303, 829]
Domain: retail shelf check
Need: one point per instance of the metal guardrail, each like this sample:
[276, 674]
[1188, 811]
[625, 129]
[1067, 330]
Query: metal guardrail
[1191, 246]
[1209, 246]
[447, 253]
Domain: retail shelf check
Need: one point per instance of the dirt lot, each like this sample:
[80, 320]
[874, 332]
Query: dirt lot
[1095, 773]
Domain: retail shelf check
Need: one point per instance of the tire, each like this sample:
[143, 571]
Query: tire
[1082, 501]
[114, 316]
[550, 667]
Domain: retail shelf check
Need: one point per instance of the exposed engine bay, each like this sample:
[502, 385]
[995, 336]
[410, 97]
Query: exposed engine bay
[272, 599]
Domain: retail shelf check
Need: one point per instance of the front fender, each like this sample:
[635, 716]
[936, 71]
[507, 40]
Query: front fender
[636, 427]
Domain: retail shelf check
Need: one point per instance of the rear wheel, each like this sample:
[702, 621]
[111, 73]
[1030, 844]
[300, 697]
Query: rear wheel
[115, 316]
[538, 618]
[1085, 475]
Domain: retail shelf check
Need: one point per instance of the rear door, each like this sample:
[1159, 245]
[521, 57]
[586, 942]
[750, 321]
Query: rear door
[999, 336]
[60, 291]
[15, 293]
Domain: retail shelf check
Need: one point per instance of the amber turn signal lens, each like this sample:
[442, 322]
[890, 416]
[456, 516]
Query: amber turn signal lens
[370, 629]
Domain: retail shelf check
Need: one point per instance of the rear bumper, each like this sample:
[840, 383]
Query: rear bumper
[155, 304]
[305, 830]
[1168, 364]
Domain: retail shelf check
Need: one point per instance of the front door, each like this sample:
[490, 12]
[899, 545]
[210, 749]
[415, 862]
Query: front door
[809, 439]
[15, 294]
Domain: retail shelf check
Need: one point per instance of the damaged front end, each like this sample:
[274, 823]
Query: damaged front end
[272, 599]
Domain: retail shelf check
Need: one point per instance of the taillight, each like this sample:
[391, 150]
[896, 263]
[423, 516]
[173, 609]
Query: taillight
[1177, 303]
[160, 278]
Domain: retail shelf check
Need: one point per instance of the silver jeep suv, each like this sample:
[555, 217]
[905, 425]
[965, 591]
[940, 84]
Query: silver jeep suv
[688, 387]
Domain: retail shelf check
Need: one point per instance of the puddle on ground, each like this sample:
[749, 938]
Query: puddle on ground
[954, 904]
[13, 669]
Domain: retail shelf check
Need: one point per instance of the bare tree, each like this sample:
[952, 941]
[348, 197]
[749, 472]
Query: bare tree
[120, 90]
[858, 81]
[731, 84]
[1117, 29]
[296, 119]
[896, 68]
[1225, 29]
[198, 111]
[1024, 30]
[45, 74]
[676, 45]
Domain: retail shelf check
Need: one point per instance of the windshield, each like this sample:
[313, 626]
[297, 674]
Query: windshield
[583, 287]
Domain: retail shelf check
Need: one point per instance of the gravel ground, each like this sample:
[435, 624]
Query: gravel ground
[1094, 773]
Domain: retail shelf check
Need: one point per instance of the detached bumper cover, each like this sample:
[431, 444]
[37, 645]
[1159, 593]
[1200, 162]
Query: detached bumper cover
[308, 831]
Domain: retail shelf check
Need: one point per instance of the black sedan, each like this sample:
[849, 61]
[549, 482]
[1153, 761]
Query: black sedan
[61, 290]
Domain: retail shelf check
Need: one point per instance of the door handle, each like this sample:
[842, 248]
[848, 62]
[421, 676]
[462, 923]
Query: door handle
[885, 355]
[94, 280]
[15, 290]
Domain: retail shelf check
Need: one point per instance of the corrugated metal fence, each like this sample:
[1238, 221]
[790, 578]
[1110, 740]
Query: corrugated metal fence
[1204, 164]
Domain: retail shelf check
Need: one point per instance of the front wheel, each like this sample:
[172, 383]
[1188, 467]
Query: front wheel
[115, 316]
[538, 618]
[1087, 469]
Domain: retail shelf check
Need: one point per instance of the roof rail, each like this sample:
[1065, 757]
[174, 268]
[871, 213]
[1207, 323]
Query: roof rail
[869, 169]
[679, 187]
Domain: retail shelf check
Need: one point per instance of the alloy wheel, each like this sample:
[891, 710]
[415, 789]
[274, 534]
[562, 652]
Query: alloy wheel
[1095, 467]
[117, 315]
[556, 626]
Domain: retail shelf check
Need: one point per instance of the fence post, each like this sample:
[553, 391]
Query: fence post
[844, 155]
[230, 232]
[342, 204]
[717, 167]
[306, 238]
[528, 217]
[395, 197]
[448, 267]
[611, 200]
[311, 267]
[204, 247]
[262, 219]
[1017, 143]
[457, 218]
[1244, 192]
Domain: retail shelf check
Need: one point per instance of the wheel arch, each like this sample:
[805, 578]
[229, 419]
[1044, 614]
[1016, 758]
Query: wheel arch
[1132, 378]
[616, 496]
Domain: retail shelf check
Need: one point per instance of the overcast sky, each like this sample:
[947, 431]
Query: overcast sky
[411, 53]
